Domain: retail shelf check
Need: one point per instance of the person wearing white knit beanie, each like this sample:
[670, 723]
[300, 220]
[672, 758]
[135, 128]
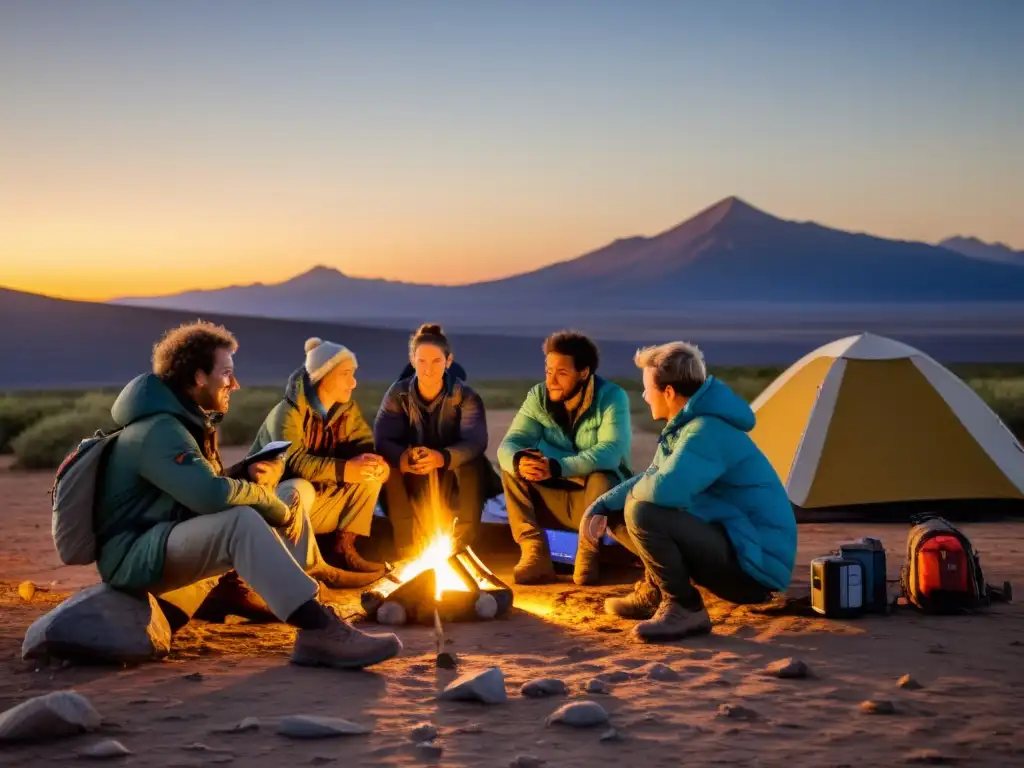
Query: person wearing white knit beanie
[332, 459]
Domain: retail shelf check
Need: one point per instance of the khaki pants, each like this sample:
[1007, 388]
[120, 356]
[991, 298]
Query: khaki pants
[559, 505]
[344, 507]
[201, 550]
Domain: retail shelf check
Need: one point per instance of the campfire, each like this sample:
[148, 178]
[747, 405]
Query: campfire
[457, 585]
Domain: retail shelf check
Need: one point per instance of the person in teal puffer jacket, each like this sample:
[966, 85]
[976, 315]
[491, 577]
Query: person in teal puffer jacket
[710, 509]
[568, 445]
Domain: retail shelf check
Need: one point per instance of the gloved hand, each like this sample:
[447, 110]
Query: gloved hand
[594, 523]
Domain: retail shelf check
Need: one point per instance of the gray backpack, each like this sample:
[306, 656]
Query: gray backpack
[74, 498]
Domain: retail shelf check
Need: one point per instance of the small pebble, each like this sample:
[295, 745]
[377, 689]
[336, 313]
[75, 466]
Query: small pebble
[546, 686]
[909, 683]
[881, 707]
[787, 669]
[611, 735]
[195, 677]
[424, 732]
[105, 750]
[429, 749]
[311, 727]
[579, 714]
[618, 676]
[526, 761]
[737, 712]
[662, 672]
[930, 757]
[26, 591]
[596, 685]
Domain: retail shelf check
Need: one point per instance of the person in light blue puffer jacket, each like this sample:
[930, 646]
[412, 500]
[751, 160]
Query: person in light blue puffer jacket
[709, 510]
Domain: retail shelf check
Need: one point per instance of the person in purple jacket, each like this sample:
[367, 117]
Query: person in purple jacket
[432, 430]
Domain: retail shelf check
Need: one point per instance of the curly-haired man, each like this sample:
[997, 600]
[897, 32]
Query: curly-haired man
[171, 523]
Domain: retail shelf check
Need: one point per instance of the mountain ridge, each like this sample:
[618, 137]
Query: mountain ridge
[728, 251]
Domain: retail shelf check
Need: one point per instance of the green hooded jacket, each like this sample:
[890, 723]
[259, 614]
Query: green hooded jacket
[321, 440]
[163, 468]
[600, 441]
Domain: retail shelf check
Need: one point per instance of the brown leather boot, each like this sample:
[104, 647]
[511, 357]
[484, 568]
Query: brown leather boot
[345, 545]
[233, 597]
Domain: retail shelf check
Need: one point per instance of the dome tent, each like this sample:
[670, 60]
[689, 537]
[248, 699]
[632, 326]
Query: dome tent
[867, 420]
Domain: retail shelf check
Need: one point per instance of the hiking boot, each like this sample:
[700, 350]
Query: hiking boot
[641, 603]
[534, 566]
[345, 545]
[233, 597]
[673, 622]
[586, 569]
[342, 646]
[339, 578]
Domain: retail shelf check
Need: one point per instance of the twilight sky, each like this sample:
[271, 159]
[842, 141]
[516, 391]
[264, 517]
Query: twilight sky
[150, 148]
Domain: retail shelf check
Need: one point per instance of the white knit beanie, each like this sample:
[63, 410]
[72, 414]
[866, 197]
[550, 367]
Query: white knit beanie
[323, 356]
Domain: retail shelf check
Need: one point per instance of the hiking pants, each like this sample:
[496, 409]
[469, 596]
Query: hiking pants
[558, 504]
[202, 549]
[344, 507]
[420, 506]
[677, 547]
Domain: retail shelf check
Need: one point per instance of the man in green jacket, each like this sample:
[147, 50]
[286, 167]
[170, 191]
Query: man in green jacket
[332, 449]
[569, 444]
[170, 523]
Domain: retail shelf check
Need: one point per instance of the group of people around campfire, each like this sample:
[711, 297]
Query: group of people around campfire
[208, 541]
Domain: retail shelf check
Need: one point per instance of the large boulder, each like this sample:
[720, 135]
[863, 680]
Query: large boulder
[100, 625]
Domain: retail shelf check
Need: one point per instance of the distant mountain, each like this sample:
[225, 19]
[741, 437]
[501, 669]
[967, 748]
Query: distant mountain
[48, 343]
[730, 252]
[979, 249]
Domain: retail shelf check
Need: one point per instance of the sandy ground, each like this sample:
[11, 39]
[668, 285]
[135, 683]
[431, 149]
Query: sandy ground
[970, 669]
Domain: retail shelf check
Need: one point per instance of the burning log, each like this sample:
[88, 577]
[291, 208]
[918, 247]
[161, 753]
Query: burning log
[457, 586]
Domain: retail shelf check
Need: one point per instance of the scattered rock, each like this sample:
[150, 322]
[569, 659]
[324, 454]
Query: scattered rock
[662, 672]
[909, 683]
[429, 749]
[313, 727]
[930, 757]
[392, 613]
[486, 606]
[543, 687]
[447, 660]
[105, 750]
[526, 761]
[737, 712]
[57, 714]
[195, 677]
[788, 669]
[596, 685]
[26, 591]
[611, 735]
[470, 728]
[618, 676]
[579, 714]
[881, 707]
[424, 732]
[248, 724]
[100, 624]
[487, 686]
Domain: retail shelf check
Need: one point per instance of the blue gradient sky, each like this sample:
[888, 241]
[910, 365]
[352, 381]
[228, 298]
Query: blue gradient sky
[190, 144]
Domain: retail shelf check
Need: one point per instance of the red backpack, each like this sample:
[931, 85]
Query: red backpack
[942, 573]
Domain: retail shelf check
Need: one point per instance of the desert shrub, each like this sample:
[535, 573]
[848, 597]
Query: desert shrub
[45, 444]
[19, 412]
[1005, 396]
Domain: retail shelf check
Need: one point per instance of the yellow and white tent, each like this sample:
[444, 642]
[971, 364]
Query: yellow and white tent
[867, 420]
